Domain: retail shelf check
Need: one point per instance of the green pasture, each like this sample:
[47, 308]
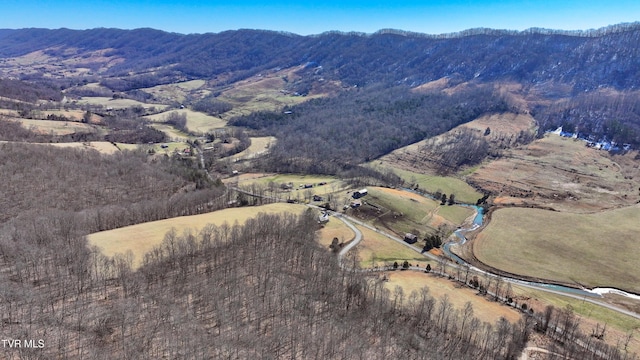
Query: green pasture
[595, 250]
[431, 183]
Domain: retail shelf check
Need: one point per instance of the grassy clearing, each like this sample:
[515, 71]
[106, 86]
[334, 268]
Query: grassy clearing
[484, 309]
[333, 185]
[432, 183]
[175, 92]
[117, 103]
[103, 147]
[590, 249]
[141, 238]
[171, 132]
[405, 211]
[335, 228]
[258, 146]
[196, 121]
[376, 250]
[56, 127]
[263, 92]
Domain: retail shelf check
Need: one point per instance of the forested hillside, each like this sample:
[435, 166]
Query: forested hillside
[549, 66]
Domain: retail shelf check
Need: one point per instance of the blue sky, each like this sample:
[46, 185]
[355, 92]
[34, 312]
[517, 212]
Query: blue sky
[314, 17]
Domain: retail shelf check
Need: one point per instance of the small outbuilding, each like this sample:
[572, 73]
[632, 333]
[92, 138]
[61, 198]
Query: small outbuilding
[360, 193]
[410, 238]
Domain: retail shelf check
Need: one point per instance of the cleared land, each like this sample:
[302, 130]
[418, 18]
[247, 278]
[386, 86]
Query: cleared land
[117, 103]
[403, 211]
[264, 92]
[431, 183]
[296, 182]
[172, 133]
[259, 145]
[376, 250]
[335, 228]
[563, 174]
[458, 296]
[175, 92]
[595, 250]
[101, 146]
[56, 127]
[196, 121]
[141, 238]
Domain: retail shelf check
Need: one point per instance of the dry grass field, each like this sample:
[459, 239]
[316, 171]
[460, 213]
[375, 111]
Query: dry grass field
[335, 228]
[196, 121]
[172, 133]
[405, 211]
[595, 250]
[415, 166]
[262, 92]
[142, 238]
[108, 102]
[332, 185]
[175, 92]
[103, 147]
[259, 145]
[56, 127]
[563, 174]
[484, 309]
[376, 250]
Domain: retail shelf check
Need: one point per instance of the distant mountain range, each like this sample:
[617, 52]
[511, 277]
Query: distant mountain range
[608, 57]
[587, 82]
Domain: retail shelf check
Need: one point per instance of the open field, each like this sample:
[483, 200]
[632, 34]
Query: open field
[103, 147]
[431, 183]
[142, 238]
[57, 127]
[196, 121]
[376, 250]
[108, 102]
[332, 185]
[484, 309]
[262, 92]
[595, 250]
[335, 228]
[563, 174]
[404, 211]
[172, 133]
[175, 92]
[258, 146]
